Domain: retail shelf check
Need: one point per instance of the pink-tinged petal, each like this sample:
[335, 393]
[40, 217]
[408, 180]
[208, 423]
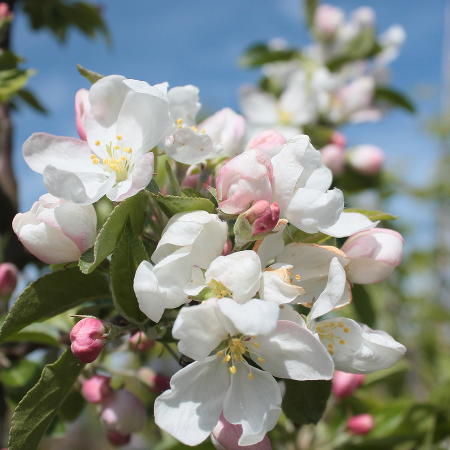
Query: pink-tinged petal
[367, 159]
[8, 278]
[96, 389]
[82, 107]
[360, 424]
[345, 384]
[328, 19]
[87, 337]
[269, 142]
[333, 157]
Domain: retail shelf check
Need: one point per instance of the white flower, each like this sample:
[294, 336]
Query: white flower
[127, 118]
[56, 231]
[225, 382]
[301, 188]
[190, 241]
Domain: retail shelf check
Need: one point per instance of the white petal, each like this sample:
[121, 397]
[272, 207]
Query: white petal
[199, 329]
[138, 179]
[146, 289]
[311, 210]
[191, 408]
[276, 288]
[258, 107]
[292, 351]
[81, 187]
[333, 292]
[253, 403]
[184, 103]
[272, 245]
[239, 272]
[189, 146]
[348, 223]
[41, 150]
[288, 312]
[254, 317]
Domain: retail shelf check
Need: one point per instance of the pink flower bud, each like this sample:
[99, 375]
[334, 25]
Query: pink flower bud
[117, 439]
[123, 413]
[8, 278]
[328, 19]
[333, 157]
[225, 436]
[243, 180]
[338, 139]
[82, 106]
[263, 216]
[87, 339]
[159, 383]
[140, 342]
[268, 142]
[192, 181]
[367, 159]
[360, 424]
[344, 384]
[227, 248]
[5, 12]
[96, 389]
[373, 254]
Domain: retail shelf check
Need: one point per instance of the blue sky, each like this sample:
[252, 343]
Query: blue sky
[199, 42]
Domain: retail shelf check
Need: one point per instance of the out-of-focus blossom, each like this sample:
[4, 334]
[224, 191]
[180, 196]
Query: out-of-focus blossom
[56, 231]
[117, 439]
[225, 436]
[87, 337]
[8, 278]
[360, 424]
[338, 139]
[96, 389]
[140, 342]
[344, 384]
[328, 19]
[366, 159]
[373, 254]
[82, 107]
[333, 156]
[159, 382]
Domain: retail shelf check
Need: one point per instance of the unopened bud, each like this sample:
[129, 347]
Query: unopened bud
[117, 439]
[338, 139]
[366, 159]
[344, 384]
[123, 413]
[227, 248]
[159, 383]
[225, 436]
[333, 157]
[269, 142]
[360, 424]
[96, 389]
[8, 278]
[140, 342]
[263, 216]
[87, 337]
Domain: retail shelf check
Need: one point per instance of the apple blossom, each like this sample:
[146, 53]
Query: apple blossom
[190, 241]
[333, 156]
[56, 231]
[373, 254]
[269, 142]
[8, 278]
[123, 413]
[367, 159]
[263, 216]
[225, 382]
[140, 342]
[328, 19]
[243, 180]
[344, 384]
[96, 389]
[88, 338]
[226, 130]
[360, 424]
[127, 118]
[338, 139]
[225, 436]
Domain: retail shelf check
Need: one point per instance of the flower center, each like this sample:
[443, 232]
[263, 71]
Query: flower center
[284, 117]
[218, 289]
[332, 333]
[119, 159]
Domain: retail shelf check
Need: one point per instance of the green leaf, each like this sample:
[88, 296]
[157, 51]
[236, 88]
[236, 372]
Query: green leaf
[35, 412]
[53, 294]
[32, 101]
[72, 406]
[127, 256]
[373, 215]
[132, 209]
[12, 81]
[394, 98]
[259, 54]
[89, 74]
[320, 135]
[9, 60]
[172, 204]
[295, 235]
[38, 333]
[305, 401]
[310, 11]
[174, 186]
[362, 304]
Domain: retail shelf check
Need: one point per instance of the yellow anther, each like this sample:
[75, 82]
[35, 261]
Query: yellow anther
[260, 360]
[331, 352]
[232, 370]
[340, 325]
[97, 143]
[227, 358]
[250, 376]
[342, 341]
[330, 346]
[297, 277]
[95, 160]
[256, 344]
[117, 147]
[194, 129]
[127, 149]
[220, 353]
[179, 122]
[119, 137]
[123, 158]
[202, 131]
[345, 330]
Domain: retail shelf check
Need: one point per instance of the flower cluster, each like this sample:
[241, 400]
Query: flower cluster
[239, 273]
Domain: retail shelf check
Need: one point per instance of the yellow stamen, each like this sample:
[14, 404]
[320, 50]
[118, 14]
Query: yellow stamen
[97, 143]
[232, 370]
[250, 376]
[119, 137]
